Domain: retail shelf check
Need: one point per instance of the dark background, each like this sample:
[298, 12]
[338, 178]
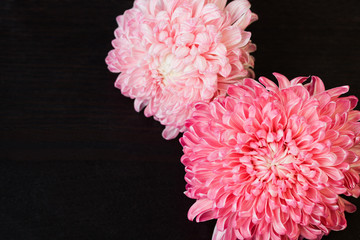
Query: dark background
[77, 162]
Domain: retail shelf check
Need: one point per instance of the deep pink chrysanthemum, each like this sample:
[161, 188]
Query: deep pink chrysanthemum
[173, 53]
[270, 162]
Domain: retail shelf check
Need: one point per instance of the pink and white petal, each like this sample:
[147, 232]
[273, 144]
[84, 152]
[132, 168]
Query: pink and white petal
[237, 9]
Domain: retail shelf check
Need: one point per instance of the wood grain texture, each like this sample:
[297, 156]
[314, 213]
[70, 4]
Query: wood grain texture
[77, 162]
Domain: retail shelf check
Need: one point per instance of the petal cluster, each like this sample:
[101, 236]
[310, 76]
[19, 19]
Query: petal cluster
[270, 162]
[173, 53]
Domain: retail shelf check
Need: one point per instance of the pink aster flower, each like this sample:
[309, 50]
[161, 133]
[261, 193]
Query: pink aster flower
[270, 162]
[173, 53]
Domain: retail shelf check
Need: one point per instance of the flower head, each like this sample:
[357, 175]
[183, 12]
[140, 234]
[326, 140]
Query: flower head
[173, 53]
[270, 162]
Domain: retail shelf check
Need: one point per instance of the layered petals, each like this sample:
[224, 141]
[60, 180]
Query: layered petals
[173, 53]
[270, 162]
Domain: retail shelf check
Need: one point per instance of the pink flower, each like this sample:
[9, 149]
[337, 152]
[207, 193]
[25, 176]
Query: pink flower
[270, 162]
[173, 53]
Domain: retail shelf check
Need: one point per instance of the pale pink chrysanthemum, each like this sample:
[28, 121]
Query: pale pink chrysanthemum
[173, 53]
[270, 162]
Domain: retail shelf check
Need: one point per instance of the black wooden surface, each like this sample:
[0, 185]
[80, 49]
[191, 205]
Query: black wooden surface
[77, 162]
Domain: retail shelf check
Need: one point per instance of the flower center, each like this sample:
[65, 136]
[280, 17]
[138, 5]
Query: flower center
[168, 71]
[274, 162]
